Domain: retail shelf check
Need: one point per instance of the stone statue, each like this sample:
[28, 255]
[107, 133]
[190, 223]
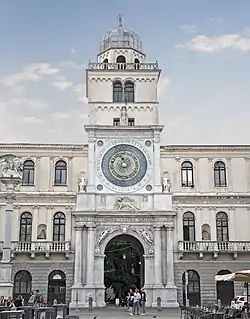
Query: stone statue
[126, 203]
[146, 236]
[11, 166]
[103, 235]
[124, 116]
[42, 234]
[166, 185]
[82, 182]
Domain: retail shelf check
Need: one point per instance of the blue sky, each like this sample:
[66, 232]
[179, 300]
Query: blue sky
[203, 48]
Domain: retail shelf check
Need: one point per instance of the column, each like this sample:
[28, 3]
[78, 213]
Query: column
[78, 257]
[91, 164]
[157, 163]
[51, 173]
[211, 174]
[197, 174]
[37, 173]
[70, 174]
[34, 223]
[177, 176]
[231, 222]
[170, 255]
[198, 223]
[229, 174]
[247, 161]
[49, 220]
[16, 222]
[90, 256]
[68, 230]
[158, 264]
[6, 258]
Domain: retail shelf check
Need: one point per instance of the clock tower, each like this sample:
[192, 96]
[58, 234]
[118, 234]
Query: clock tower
[123, 190]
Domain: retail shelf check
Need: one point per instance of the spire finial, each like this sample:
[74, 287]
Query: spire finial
[119, 18]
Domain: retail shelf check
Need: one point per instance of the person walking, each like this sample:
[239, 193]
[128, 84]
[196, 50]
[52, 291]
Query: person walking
[143, 301]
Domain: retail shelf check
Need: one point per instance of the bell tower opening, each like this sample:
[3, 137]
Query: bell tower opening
[123, 266]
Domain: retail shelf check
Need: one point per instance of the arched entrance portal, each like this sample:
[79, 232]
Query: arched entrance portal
[225, 289]
[56, 287]
[123, 266]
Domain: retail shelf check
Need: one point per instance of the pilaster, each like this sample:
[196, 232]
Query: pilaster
[70, 173]
[50, 213]
[51, 173]
[38, 173]
[157, 163]
[35, 216]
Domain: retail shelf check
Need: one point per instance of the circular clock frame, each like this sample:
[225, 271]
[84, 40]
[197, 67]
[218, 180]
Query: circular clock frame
[124, 166]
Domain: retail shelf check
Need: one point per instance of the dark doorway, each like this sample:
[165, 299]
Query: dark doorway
[225, 289]
[22, 285]
[123, 266]
[193, 288]
[56, 287]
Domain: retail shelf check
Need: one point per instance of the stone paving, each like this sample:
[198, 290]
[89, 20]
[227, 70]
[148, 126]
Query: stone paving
[120, 313]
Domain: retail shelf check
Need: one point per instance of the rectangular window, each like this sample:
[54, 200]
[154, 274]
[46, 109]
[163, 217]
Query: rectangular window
[131, 122]
[116, 122]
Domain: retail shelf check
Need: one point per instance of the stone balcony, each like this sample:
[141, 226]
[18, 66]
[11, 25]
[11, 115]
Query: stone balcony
[214, 247]
[38, 247]
[123, 66]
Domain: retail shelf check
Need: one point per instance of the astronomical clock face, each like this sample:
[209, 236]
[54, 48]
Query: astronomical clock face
[124, 166]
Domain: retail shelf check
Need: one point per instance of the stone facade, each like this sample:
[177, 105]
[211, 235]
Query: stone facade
[188, 211]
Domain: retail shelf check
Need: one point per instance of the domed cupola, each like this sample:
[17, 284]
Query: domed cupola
[121, 38]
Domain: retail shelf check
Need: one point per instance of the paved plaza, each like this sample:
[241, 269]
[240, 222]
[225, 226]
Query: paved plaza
[113, 313]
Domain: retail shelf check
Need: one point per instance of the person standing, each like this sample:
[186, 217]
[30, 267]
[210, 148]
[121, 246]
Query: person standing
[143, 301]
[137, 299]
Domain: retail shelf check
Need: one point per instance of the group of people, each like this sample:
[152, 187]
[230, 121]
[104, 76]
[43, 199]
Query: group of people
[137, 301]
[35, 299]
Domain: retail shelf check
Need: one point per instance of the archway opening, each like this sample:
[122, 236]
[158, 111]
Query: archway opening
[22, 285]
[56, 287]
[191, 287]
[225, 289]
[123, 266]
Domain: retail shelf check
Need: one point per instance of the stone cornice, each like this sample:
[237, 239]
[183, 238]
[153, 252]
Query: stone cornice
[70, 147]
[165, 150]
[204, 148]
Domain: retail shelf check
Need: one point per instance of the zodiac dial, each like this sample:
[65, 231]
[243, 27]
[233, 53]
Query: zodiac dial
[124, 165]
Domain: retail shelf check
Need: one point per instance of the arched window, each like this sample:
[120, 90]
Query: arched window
[137, 64]
[220, 178]
[22, 284]
[121, 61]
[188, 227]
[222, 227]
[25, 231]
[225, 289]
[59, 227]
[60, 173]
[193, 287]
[117, 92]
[28, 173]
[187, 174]
[129, 92]
[105, 63]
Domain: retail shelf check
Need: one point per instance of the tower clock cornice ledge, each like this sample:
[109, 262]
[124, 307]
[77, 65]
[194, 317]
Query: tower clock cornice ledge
[99, 128]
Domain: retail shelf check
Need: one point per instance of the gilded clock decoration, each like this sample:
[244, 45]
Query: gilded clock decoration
[124, 166]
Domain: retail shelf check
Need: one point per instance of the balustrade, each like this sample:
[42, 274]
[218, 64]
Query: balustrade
[123, 66]
[41, 246]
[214, 246]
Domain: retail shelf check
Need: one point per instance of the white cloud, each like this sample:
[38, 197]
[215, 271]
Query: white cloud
[207, 44]
[62, 85]
[31, 120]
[189, 28]
[80, 91]
[72, 64]
[32, 104]
[31, 72]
